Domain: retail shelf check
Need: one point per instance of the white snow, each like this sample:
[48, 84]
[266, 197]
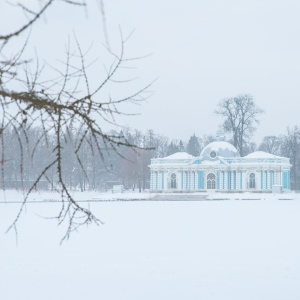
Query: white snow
[221, 250]
[179, 155]
[219, 146]
[261, 154]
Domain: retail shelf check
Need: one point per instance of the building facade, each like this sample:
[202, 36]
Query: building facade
[220, 167]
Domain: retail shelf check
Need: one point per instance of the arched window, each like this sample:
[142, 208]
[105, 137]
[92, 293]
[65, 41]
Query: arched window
[252, 181]
[211, 181]
[173, 181]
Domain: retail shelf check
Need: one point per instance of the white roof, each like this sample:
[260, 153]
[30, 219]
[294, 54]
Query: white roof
[179, 155]
[261, 154]
[222, 148]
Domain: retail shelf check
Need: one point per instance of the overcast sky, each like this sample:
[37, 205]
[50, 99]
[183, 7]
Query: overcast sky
[202, 51]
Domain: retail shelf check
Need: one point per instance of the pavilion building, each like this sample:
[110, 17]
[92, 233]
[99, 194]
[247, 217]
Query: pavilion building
[220, 167]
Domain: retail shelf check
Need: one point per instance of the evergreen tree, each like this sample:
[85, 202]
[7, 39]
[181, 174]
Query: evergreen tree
[172, 148]
[193, 147]
[181, 146]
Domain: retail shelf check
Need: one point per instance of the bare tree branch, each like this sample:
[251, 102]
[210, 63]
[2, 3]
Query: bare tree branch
[59, 104]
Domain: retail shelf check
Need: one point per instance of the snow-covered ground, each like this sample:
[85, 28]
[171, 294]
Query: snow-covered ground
[146, 250]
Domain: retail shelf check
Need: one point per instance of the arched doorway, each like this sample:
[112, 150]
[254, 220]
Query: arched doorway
[251, 181]
[173, 181]
[211, 181]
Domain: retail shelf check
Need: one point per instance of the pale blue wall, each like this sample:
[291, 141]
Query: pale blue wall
[186, 180]
[241, 180]
[200, 180]
[271, 178]
[286, 179]
[234, 180]
[218, 180]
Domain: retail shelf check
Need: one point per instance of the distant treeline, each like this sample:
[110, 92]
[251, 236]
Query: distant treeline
[99, 167]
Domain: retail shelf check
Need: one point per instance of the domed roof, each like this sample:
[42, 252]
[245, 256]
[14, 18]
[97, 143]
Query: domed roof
[219, 148]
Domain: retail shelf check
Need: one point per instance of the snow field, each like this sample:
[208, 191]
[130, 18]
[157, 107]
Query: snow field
[155, 250]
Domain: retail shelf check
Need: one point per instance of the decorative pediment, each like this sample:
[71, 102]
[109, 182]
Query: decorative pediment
[217, 161]
[197, 162]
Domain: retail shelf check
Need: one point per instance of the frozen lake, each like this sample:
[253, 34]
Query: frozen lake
[155, 250]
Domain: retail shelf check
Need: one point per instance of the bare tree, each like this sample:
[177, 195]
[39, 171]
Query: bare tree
[291, 148]
[240, 115]
[271, 144]
[69, 99]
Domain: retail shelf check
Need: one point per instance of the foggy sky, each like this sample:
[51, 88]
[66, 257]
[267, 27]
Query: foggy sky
[202, 52]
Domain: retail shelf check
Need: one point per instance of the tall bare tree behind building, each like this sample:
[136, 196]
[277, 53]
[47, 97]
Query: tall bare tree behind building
[240, 115]
[271, 144]
[291, 148]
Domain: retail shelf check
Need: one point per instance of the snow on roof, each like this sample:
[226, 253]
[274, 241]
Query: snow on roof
[179, 155]
[222, 148]
[221, 145]
[261, 154]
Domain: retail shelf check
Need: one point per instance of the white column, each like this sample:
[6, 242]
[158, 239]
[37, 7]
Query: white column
[192, 180]
[184, 180]
[151, 180]
[226, 179]
[260, 181]
[165, 180]
[242, 181]
[156, 180]
[159, 180]
[222, 180]
[277, 173]
[179, 180]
